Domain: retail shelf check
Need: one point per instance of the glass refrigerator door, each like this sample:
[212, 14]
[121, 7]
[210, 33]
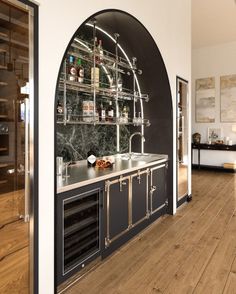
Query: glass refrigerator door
[15, 73]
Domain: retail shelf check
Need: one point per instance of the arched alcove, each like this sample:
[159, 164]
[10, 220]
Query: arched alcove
[143, 87]
[74, 140]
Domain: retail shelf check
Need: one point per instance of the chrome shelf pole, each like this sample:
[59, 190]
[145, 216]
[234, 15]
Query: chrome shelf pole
[134, 60]
[117, 95]
[64, 95]
[94, 67]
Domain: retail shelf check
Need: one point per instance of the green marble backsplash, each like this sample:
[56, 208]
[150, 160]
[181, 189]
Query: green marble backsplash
[74, 141]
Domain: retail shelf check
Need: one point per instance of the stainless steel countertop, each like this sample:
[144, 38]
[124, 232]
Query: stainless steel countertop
[81, 175]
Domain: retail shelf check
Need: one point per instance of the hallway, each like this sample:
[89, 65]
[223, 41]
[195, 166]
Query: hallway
[191, 252]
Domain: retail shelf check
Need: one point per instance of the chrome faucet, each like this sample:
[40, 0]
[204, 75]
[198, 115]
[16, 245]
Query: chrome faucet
[130, 141]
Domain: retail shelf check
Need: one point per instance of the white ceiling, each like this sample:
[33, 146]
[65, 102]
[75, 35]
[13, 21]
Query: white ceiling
[213, 22]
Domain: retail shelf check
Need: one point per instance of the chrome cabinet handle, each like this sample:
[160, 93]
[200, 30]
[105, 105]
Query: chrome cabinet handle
[153, 188]
[122, 183]
[27, 165]
[139, 179]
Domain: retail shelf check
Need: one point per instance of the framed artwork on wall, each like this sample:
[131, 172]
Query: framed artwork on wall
[228, 98]
[214, 134]
[205, 100]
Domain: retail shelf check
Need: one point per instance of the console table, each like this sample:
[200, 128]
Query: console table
[202, 146]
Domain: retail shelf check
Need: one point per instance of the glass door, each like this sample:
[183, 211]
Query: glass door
[182, 124]
[16, 100]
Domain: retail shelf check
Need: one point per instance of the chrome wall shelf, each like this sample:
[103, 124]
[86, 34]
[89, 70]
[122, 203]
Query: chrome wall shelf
[112, 66]
[107, 93]
[90, 120]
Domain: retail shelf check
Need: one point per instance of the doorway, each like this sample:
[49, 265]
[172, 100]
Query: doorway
[18, 147]
[182, 134]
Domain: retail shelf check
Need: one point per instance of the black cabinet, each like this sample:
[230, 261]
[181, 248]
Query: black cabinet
[94, 223]
[139, 192]
[79, 229]
[158, 194]
[117, 208]
[132, 202]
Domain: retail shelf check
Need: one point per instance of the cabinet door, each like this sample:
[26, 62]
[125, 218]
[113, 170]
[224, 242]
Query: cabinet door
[118, 199]
[157, 188]
[139, 184]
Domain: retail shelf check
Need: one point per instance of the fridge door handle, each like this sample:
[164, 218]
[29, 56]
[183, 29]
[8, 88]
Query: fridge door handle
[27, 162]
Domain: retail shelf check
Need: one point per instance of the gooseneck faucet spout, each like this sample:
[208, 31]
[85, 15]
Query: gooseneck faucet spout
[130, 141]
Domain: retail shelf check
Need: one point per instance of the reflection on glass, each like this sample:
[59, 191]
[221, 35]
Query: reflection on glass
[14, 74]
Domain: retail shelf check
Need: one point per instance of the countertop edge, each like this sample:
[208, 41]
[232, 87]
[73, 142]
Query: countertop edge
[102, 178]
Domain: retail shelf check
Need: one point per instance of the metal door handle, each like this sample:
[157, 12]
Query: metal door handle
[27, 165]
[153, 188]
[121, 185]
[139, 177]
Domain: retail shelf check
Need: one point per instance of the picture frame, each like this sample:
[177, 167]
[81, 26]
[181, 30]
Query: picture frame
[228, 98]
[205, 100]
[214, 134]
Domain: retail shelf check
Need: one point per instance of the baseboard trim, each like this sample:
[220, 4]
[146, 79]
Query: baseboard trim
[186, 198]
[213, 168]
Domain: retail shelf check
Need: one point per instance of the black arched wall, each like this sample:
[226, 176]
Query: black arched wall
[137, 41]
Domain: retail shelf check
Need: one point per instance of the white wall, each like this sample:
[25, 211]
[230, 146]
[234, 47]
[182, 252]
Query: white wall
[169, 23]
[213, 62]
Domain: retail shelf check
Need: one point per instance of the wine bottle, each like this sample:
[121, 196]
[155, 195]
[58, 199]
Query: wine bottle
[72, 72]
[95, 77]
[91, 158]
[80, 71]
[125, 114]
[100, 51]
[119, 83]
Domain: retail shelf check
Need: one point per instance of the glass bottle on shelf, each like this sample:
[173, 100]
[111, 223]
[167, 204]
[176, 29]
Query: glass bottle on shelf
[139, 119]
[95, 42]
[105, 77]
[95, 77]
[112, 85]
[100, 51]
[59, 107]
[80, 71]
[110, 112]
[72, 71]
[119, 83]
[102, 113]
[125, 114]
[85, 110]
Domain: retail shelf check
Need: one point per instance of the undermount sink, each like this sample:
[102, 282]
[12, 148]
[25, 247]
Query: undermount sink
[139, 157]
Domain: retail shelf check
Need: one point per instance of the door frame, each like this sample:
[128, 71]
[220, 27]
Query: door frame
[33, 224]
[185, 197]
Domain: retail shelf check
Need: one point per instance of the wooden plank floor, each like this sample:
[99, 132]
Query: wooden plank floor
[191, 252]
